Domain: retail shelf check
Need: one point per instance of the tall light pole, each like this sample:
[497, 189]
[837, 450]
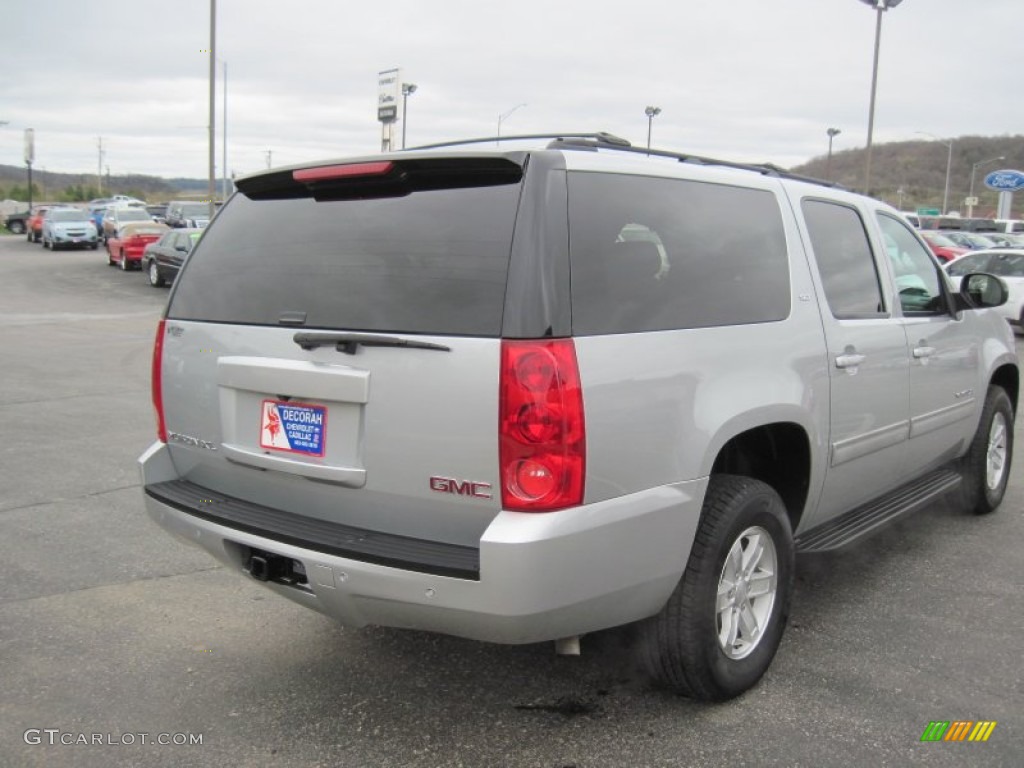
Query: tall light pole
[99, 167]
[212, 181]
[879, 6]
[30, 157]
[408, 89]
[832, 133]
[949, 164]
[504, 115]
[651, 113]
[970, 195]
[224, 138]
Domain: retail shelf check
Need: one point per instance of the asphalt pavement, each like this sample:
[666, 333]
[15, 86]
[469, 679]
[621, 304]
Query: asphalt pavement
[115, 638]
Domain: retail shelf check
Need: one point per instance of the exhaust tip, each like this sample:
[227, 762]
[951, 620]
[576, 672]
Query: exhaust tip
[568, 646]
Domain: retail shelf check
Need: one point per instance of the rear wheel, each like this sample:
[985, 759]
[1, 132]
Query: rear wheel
[124, 262]
[154, 275]
[986, 467]
[721, 627]
[16, 227]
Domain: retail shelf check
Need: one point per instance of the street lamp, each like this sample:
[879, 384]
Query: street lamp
[504, 115]
[651, 113]
[879, 6]
[407, 90]
[949, 164]
[832, 133]
[970, 195]
[212, 171]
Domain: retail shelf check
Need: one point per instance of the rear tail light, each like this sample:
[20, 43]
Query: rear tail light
[542, 449]
[157, 383]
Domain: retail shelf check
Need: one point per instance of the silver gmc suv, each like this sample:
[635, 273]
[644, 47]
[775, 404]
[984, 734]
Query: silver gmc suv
[528, 391]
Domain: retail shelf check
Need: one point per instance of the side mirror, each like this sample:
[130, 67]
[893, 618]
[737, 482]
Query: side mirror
[980, 290]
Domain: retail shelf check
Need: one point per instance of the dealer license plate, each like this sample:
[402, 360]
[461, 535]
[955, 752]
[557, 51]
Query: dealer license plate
[293, 427]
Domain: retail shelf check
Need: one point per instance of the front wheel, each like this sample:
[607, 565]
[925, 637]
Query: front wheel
[986, 467]
[721, 627]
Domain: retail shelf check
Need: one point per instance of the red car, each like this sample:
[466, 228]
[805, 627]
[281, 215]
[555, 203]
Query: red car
[126, 246]
[34, 227]
[942, 246]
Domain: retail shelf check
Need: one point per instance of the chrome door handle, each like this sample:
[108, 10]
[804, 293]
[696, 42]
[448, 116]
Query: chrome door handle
[920, 352]
[849, 360]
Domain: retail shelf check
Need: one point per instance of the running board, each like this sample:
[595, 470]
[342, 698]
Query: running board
[862, 521]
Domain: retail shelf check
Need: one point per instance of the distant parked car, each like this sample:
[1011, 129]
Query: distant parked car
[34, 227]
[1005, 240]
[116, 217]
[941, 245]
[17, 223]
[125, 201]
[185, 213]
[1006, 264]
[164, 258]
[68, 228]
[157, 212]
[125, 247]
[972, 240]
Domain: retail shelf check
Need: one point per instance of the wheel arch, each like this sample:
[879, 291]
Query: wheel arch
[778, 454]
[1007, 376]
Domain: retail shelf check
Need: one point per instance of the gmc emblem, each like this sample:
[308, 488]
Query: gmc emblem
[460, 487]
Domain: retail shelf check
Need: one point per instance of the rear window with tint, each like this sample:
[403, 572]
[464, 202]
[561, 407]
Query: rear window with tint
[652, 254]
[431, 262]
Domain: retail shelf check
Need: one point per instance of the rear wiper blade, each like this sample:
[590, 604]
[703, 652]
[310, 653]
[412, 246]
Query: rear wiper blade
[350, 342]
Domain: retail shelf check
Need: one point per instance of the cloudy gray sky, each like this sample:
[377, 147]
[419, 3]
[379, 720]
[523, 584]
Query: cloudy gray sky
[754, 80]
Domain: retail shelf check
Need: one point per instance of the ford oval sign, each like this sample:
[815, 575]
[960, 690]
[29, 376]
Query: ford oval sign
[1005, 181]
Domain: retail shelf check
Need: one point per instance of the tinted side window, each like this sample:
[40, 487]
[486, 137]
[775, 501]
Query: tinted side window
[651, 254]
[845, 261]
[914, 269]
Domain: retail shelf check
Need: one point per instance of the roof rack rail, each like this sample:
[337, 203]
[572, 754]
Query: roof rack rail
[765, 169]
[600, 139]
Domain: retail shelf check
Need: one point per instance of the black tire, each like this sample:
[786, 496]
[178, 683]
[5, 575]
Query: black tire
[154, 274]
[46, 244]
[124, 262]
[986, 467]
[681, 646]
[16, 227]
[93, 246]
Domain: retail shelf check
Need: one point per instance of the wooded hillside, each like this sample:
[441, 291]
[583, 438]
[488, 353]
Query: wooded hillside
[919, 169]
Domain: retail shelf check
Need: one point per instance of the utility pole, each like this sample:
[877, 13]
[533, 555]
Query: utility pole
[99, 168]
[224, 145]
[212, 180]
[270, 156]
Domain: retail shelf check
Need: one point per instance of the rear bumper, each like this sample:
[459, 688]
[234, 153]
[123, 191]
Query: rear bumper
[540, 576]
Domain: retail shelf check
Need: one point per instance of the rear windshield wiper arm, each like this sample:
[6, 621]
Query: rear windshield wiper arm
[350, 342]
